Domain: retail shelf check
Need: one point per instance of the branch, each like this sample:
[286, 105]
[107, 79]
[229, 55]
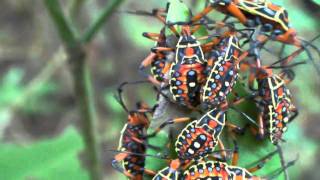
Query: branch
[99, 21]
[63, 27]
[82, 86]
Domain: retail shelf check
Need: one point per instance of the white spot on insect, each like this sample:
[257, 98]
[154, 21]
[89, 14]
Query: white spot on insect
[286, 119]
[192, 84]
[190, 151]
[284, 129]
[221, 93]
[227, 84]
[196, 145]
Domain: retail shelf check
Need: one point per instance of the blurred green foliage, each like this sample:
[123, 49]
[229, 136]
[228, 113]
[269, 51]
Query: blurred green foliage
[49, 159]
[13, 93]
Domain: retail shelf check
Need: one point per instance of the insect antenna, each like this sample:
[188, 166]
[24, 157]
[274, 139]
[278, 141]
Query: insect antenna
[164, 157]
[282, 161]
[244, 115]
[140, 154]
[297, 52]
[119, 97]
[278, 172]
[286, 66]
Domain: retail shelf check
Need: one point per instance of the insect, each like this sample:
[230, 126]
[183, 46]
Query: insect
[132, 141]
[157, 60]
[276, 104]
[272, 17]
[221, 170]
[273, 97]
[196, 141]
[222, 68]
[186, 70]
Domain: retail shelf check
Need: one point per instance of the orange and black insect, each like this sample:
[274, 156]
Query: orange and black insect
[216, 169]
[222, 72]
[196, 141]
[271, 17]
[277, 109]
[273, 97]
[186, 71]
[132, 141]
[157, 60]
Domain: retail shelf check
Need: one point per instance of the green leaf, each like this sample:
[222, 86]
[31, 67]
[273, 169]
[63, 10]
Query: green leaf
[48, 159]
[178, 12]
[160, 140]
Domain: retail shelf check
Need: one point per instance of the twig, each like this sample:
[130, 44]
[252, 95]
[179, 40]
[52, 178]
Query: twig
[82, 85]
[64, 28]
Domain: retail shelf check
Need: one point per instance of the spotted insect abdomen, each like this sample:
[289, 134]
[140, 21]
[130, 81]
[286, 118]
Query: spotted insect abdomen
[207, 170]
[278, 118]
[236, 173]
[185, 83]
[167, 173]
[276, 106]
[132, 163]
[157, 68]
[199, 137]
[223, 75]
[194, 143]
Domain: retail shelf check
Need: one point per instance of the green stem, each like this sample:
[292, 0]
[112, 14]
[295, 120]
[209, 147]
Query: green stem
[82, 86]
[99, 21]
[75, 8]
[84, 96]
[63, 27]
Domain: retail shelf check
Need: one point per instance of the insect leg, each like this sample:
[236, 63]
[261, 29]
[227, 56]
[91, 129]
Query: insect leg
[283, 169]
[203, 13]
[235, 11]
[261, 132]
[168, 122]
[295, 112]
[116, 164]
[235, 155]
[262, 162]
[152, 36]
[222, 150]
[149, 172]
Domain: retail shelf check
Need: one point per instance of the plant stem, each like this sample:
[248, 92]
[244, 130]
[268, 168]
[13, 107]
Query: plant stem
[82, 86]
[63, 27]
[84, 96]
[100, 20]
[75, 7]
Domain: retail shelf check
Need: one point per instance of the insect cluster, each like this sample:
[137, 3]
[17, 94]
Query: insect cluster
[199, 73]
